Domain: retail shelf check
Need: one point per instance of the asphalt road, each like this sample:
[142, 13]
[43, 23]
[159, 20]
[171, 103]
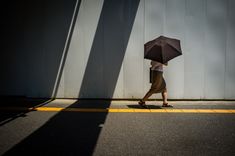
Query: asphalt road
[122, 134]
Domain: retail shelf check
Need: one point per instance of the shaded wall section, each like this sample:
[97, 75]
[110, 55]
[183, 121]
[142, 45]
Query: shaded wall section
[35, 33]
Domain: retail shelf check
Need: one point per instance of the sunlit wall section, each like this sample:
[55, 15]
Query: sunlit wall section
[206, 29]
[133, 61]
[80, 47]
[194, 52]
[174, 26]
[215, 49]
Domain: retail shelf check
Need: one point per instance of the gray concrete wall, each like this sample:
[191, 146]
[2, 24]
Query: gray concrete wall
[104, 56]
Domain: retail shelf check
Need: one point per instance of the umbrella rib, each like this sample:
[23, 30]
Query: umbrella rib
[173, 47]
[161, 53]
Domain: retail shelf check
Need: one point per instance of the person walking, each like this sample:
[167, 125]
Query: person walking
[158, 85]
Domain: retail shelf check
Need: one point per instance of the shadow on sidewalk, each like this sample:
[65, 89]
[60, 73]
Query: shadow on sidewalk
[12, 108]
[66, 133]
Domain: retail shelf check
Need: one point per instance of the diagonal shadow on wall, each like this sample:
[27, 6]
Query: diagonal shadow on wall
[108, 49]
[73, 133]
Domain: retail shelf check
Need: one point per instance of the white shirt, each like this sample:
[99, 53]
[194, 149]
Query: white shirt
[157, 66]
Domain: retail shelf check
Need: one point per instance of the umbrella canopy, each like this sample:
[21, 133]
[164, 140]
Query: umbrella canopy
[162, 49]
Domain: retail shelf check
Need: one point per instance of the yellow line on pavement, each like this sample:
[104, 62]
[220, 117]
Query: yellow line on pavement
[119, 110]
[128, 110]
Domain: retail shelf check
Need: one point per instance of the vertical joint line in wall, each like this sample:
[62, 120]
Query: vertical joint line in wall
[202, 95]
[204, 63]
[143, 65]
[144, 22]
[124, 14]
[184, 39]
[226, 45]
[164, 16]
[101, 20]
[204, 59]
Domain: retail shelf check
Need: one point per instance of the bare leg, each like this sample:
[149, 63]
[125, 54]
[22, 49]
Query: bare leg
[164, 96]
[147, 95]
[142, 101]
[164, 99]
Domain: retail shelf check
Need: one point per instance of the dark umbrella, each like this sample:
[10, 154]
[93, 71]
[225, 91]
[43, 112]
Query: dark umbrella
[162, 49]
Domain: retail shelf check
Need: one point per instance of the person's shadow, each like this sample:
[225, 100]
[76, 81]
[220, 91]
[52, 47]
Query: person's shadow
[149, 107]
